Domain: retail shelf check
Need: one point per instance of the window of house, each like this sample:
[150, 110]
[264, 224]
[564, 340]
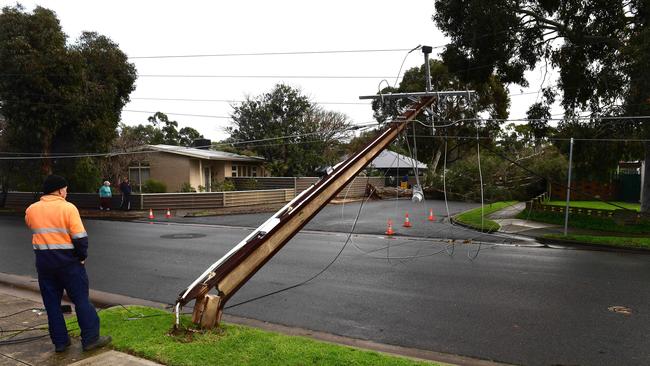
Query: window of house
[138, 175]
[244, 171]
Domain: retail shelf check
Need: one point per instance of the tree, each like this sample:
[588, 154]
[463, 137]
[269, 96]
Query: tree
[491, 98]
[58, 97]
[602, 49]
[292, 134]
[160, 130]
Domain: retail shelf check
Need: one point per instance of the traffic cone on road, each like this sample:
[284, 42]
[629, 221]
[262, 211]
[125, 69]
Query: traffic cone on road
[168, 214]
[431, 217]
[151, 214]
[407, 222]
[389, 230]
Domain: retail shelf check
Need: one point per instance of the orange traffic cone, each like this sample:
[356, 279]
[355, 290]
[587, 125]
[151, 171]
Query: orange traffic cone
[150, 214]
[389, 230]
[168, 214]
[432, 217]
[407, 222]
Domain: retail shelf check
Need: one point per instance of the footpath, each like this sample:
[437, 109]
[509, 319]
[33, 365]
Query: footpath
[506, 218]
[510, 224]
[24, 339]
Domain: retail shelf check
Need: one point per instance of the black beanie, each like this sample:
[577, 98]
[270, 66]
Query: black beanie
[53, 182]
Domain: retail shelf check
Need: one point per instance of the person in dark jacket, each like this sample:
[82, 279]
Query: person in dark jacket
[60, 245]
[125, 188]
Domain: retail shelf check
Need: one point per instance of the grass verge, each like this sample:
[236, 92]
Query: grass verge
[585, 222]
[617, 241]
[145, 331]
[472, 217]
[596, 205]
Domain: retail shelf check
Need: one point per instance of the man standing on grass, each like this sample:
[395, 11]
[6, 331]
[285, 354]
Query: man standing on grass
[60, 244]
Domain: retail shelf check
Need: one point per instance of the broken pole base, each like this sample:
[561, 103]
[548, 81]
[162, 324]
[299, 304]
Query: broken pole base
[207, 311]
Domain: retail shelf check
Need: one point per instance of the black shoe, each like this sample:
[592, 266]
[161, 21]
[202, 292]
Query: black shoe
[62, 348]
[99, 342]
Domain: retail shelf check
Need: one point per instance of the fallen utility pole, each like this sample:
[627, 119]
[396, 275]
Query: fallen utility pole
[232, 271]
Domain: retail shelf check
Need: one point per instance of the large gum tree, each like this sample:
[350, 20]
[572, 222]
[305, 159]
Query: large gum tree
[55, 96]
[601, 49]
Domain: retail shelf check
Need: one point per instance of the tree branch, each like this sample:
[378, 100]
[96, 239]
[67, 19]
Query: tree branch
[541, 19]
[574, 36]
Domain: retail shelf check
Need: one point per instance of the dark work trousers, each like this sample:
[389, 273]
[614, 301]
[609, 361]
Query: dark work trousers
[126, 202]
[74, 280]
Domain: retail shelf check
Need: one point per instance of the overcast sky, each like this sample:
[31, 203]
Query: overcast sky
[158, 28]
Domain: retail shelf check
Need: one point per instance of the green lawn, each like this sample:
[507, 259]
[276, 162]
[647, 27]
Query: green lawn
[231, 345]
[596, 205]
[473, 217]
[585, 222]
[617, 241]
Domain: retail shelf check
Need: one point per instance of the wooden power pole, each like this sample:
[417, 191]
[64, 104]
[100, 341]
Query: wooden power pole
[232, 271]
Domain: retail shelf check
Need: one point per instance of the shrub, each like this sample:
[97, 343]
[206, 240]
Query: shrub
[224, 186]
[154, 186]
[186, 188]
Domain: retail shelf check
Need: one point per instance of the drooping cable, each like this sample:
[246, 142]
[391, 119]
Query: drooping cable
[356, 219]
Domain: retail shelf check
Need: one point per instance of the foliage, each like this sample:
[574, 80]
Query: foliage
[150, 338]
[224, 186]
[502, 179]
[473, 217]
[160, 130]
[154, 186]
[86, 176]
[187, 188]
[491, 98]
[601, 48]
[296, 136]
[58, 97]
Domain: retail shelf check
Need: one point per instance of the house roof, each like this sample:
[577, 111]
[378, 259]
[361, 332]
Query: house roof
[389, 159]
[204, 154]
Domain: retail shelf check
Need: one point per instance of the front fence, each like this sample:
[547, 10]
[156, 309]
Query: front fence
[276, 190]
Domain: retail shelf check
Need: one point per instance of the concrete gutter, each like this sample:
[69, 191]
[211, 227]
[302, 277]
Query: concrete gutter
[104, 300]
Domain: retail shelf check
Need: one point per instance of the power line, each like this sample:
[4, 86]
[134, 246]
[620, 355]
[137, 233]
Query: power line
[178, 114]
[237, 101]
[264, 76]
[19, 156]
[273, 53]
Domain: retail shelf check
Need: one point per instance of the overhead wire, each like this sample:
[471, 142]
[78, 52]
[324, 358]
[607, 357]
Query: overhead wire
[302, 283]
[321, 52]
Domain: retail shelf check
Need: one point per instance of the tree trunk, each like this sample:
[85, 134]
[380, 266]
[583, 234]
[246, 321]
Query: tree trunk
[435, 160]
[46, 164]
[645, 188]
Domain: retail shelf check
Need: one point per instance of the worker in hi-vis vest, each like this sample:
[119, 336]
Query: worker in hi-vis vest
[61, 246]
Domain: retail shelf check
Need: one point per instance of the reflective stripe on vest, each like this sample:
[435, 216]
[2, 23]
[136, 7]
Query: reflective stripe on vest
[52, 246]
[60, 230]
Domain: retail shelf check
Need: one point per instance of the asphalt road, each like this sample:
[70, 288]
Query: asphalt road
[373, 218]
[520, 305]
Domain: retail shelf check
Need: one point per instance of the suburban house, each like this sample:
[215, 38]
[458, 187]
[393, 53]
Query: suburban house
[177, 166]
[391, 163]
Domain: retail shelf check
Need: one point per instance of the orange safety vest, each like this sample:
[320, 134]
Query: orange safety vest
[58, 235]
